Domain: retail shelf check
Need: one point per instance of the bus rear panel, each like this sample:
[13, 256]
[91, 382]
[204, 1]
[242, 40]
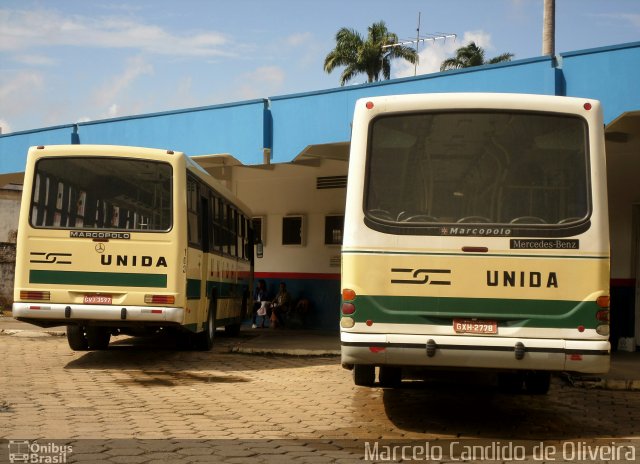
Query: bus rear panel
[476, 235]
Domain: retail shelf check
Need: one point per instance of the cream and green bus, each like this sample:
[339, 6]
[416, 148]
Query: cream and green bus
[476, 238]
[127, 240]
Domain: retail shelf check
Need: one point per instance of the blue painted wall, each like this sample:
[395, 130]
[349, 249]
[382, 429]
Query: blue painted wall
[236, 128]
[13, 147]
[324, 117]
[291, 122]
[609, 74]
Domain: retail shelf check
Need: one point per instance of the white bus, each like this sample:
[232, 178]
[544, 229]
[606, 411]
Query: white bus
[127, 240]
[476, 237]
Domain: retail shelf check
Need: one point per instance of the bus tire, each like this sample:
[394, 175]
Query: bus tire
[232, 330]
[76, 338]
[537, 382]
[364, 375]
[98, 337]
[510, 382]
[204, 339]
[390, 376]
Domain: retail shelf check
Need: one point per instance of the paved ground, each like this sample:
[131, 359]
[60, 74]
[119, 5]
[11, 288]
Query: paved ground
[160, 405]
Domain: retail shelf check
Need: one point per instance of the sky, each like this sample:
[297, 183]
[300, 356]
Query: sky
[68, 61]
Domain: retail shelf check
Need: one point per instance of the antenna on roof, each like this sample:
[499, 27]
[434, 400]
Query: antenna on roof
[426, 38]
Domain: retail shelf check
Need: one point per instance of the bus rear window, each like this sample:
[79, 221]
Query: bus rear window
[101, 193]
[516, 168]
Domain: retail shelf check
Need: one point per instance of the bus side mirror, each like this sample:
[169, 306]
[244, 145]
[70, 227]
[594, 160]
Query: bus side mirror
[259, 250]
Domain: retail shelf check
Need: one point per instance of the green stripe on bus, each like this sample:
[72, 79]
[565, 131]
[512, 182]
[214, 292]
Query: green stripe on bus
[193, 289]
[223, 289]
[107, 279]
[508, 312]
[227, 289]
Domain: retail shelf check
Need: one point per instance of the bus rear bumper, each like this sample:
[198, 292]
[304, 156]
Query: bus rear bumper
[476, 352]
[68, 314]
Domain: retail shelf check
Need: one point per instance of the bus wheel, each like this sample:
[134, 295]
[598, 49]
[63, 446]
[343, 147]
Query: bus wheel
[510, 382]
[390, 376]
[98, 338]
[364, 375]
[204, 339]
[232, 330]
[537, 383]
[76, 338]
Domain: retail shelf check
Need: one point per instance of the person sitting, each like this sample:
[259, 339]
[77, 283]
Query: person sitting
[280, 306]
[297, 317]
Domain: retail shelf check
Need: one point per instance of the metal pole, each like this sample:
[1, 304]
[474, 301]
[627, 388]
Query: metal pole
[415, 65]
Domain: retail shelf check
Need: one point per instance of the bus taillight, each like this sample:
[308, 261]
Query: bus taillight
[35, 295]
[160, 299]
[602, 316]
[348, 294]
[348, 308]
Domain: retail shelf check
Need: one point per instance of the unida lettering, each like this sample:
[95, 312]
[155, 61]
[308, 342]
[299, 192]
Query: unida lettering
[124, 260]
[531, 279]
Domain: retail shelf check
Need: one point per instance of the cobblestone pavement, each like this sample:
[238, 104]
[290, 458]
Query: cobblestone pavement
[140, 402]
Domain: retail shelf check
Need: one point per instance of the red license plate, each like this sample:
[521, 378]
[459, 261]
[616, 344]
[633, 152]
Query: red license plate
[475, 327]
[98, 299]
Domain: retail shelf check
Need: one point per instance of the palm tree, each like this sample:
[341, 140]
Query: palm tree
[472, 55]
[371, 56]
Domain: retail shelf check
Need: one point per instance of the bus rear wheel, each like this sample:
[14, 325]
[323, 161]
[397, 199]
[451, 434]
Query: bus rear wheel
[364, 375]
[390, 376]
[98, 337]
[232, 330]
[510, 382]
[537, 383]
[204, 339]
[76, 338]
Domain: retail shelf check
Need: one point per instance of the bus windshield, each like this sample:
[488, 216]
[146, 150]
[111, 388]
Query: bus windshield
[102, 193]
[494, 167]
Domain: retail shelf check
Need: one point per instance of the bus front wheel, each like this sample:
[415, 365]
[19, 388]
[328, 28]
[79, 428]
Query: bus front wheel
[364, 375]
[76, 338]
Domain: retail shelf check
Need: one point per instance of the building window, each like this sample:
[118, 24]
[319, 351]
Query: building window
[333, 229]
[292, 230]
[258, 224]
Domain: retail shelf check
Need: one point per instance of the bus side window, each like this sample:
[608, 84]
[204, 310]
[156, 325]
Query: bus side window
[217, 231]
[233, 230]
[192, 212]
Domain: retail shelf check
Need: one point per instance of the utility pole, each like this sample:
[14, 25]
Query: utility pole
[549, 28]
[415, 65]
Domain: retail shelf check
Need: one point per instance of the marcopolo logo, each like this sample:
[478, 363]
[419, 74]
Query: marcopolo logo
[479, 231]
[34, 452]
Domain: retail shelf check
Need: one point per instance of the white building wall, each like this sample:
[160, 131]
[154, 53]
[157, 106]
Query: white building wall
[290, 189]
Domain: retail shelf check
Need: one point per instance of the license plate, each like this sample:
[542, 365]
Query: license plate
[475, 327]
[97, 299]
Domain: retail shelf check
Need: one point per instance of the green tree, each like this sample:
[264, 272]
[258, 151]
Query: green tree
[472, 55]
[371, 56]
